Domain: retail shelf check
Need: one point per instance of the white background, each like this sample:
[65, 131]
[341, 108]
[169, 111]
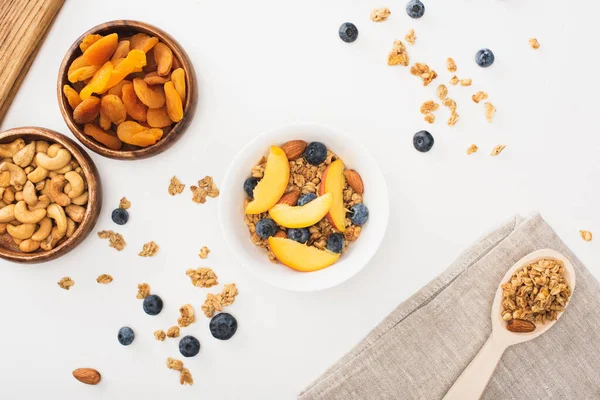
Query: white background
[264, 63]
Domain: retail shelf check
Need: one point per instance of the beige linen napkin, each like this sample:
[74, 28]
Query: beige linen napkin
[422, 347]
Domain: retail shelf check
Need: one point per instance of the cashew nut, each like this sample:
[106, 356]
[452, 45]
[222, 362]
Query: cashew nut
[17, 175]
[17, 241]
[74, 164]
[53, 149]
[2, 204]
[71, 226]
[81, 200]
[57, 213]
[23, 157]
[9, 195]
[29, 245]
[62, 158]
[23, 215]
[38, 175]
[67, 188]
[77, 184]
[23, 231]
[64, 169]
[9, 149]
[76, 213]
[30, 194]
[79, 170]
[55, 193]
[19, 195]
[40, 186]
[52, 239]
[43, 203]
[4, 179]
[28, 169]
[7, 213]
[43, 231]
[3, 228]
[41, 146]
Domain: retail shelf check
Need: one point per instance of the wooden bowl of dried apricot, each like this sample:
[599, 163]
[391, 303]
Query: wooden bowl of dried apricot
[127, 90]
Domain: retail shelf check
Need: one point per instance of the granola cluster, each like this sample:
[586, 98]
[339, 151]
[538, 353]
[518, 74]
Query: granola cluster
[104, 279]
[202, 277]
[149, 250]
[143, 291]
[187, 316]
[66, 283]
[216, 302]
[206, 187]
[185, 377]
[116, 241]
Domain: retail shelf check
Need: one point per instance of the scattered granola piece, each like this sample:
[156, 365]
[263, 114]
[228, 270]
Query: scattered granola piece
[454, 117]
[175, 187]
[477, 97]
[451, 104]
[116, 241]
[497, 150]
[466, 82]
[380, 14]
[423, 71]
[124, 203]
[258, 170]
[442, 92]
[187, 315]
[586, 235]
[149, 250]
[206, 187]
[429, 106]
[186, 377]
[204, 252]
[411, 37]
[143, 291]
[490, 110]
[160, 335]
[430, 118]
[104, 279]
[472, 149]
[212, 304]
[534, 43]
[454, 80]
[202, 277]
[398, 55]
[229, 293]
[450, 65]
[66, 283]
[173, 332]
[174, 364]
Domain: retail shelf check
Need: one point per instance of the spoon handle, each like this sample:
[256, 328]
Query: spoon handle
[474, 379]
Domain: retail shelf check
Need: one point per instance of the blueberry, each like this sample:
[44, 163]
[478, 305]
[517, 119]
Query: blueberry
[189, 346]
[306, 198]
[223, 326]
[484, 58]
[348, 32]
[249, 185]
[266, 228]
[335, 242]
[153, 304]
[299, 235]
[415, 9]
[359, 214]
[125, 336]
[120, 216]
[315, 153]
[423, 141]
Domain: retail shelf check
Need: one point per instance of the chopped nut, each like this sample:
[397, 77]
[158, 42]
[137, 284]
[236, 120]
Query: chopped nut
[186, 377]
[173, 332]
[202, 277]
[104, 279]
[534, 43]
[466, 82]
[206, 187]
[160, 335]
[187, 315]
[442, 92]
[149, 250]
[454, 117]
[174, 364]
[143, 291]
[429, 106]
[116, 241]
[175, 187]
[380, 14]
[497, 150]
[490, 110]
[429, 118]
[411, 37]
[454, 80]
[450, 65]
[204, 252]
[398, 55]
[586, 235]
[477, 97]
[423, 71]
[472, 149]
[124, 203]
[66, 283]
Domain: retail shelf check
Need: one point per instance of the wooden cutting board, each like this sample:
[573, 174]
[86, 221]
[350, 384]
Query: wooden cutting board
[23, 27]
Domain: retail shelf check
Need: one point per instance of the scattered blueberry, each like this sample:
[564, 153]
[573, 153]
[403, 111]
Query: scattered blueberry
[335, 242]
[423, 141]
[348, 32]
[306, 198]
[153, 304]
[359, 214]
[315, 153]
[125, 336]
[484, 58]
[299, 235]
[223, 326]
[120, 216]
[415, 9]
[266, 228]
[189, 346]
[249, 185]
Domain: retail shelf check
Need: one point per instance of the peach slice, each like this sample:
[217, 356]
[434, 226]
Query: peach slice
[333, 182]
[299, 256]
[273, 184]
[302, 216]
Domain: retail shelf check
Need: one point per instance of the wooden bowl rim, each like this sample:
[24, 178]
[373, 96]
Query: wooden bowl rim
[176, 131]
[94, 204]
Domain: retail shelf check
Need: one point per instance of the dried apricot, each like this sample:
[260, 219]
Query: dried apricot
[158, 117]
[72, 96]
[178, 78]
[110, 141]
[174, 105]
[104, 121]
[88, 41]
[112, 106]
[133, 133]
[77, 63]
[118, 88]
[101, 51]
[83, 73]
[135, 59]
[152, 78]
[122, 50]
[164, 58]
[153, 97]
[141, 41]
[135, 108]
[98, 82]
[87, 110]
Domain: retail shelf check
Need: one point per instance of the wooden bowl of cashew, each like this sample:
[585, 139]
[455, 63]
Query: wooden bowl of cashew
[50, 195]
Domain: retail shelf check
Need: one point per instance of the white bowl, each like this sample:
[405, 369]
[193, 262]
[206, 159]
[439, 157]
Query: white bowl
[254, 258]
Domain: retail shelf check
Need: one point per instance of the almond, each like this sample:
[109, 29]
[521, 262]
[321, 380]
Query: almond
[281, 234]
[520, 325]
[88, 376]
[290, 198]
[355, 181]
[294, 149]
